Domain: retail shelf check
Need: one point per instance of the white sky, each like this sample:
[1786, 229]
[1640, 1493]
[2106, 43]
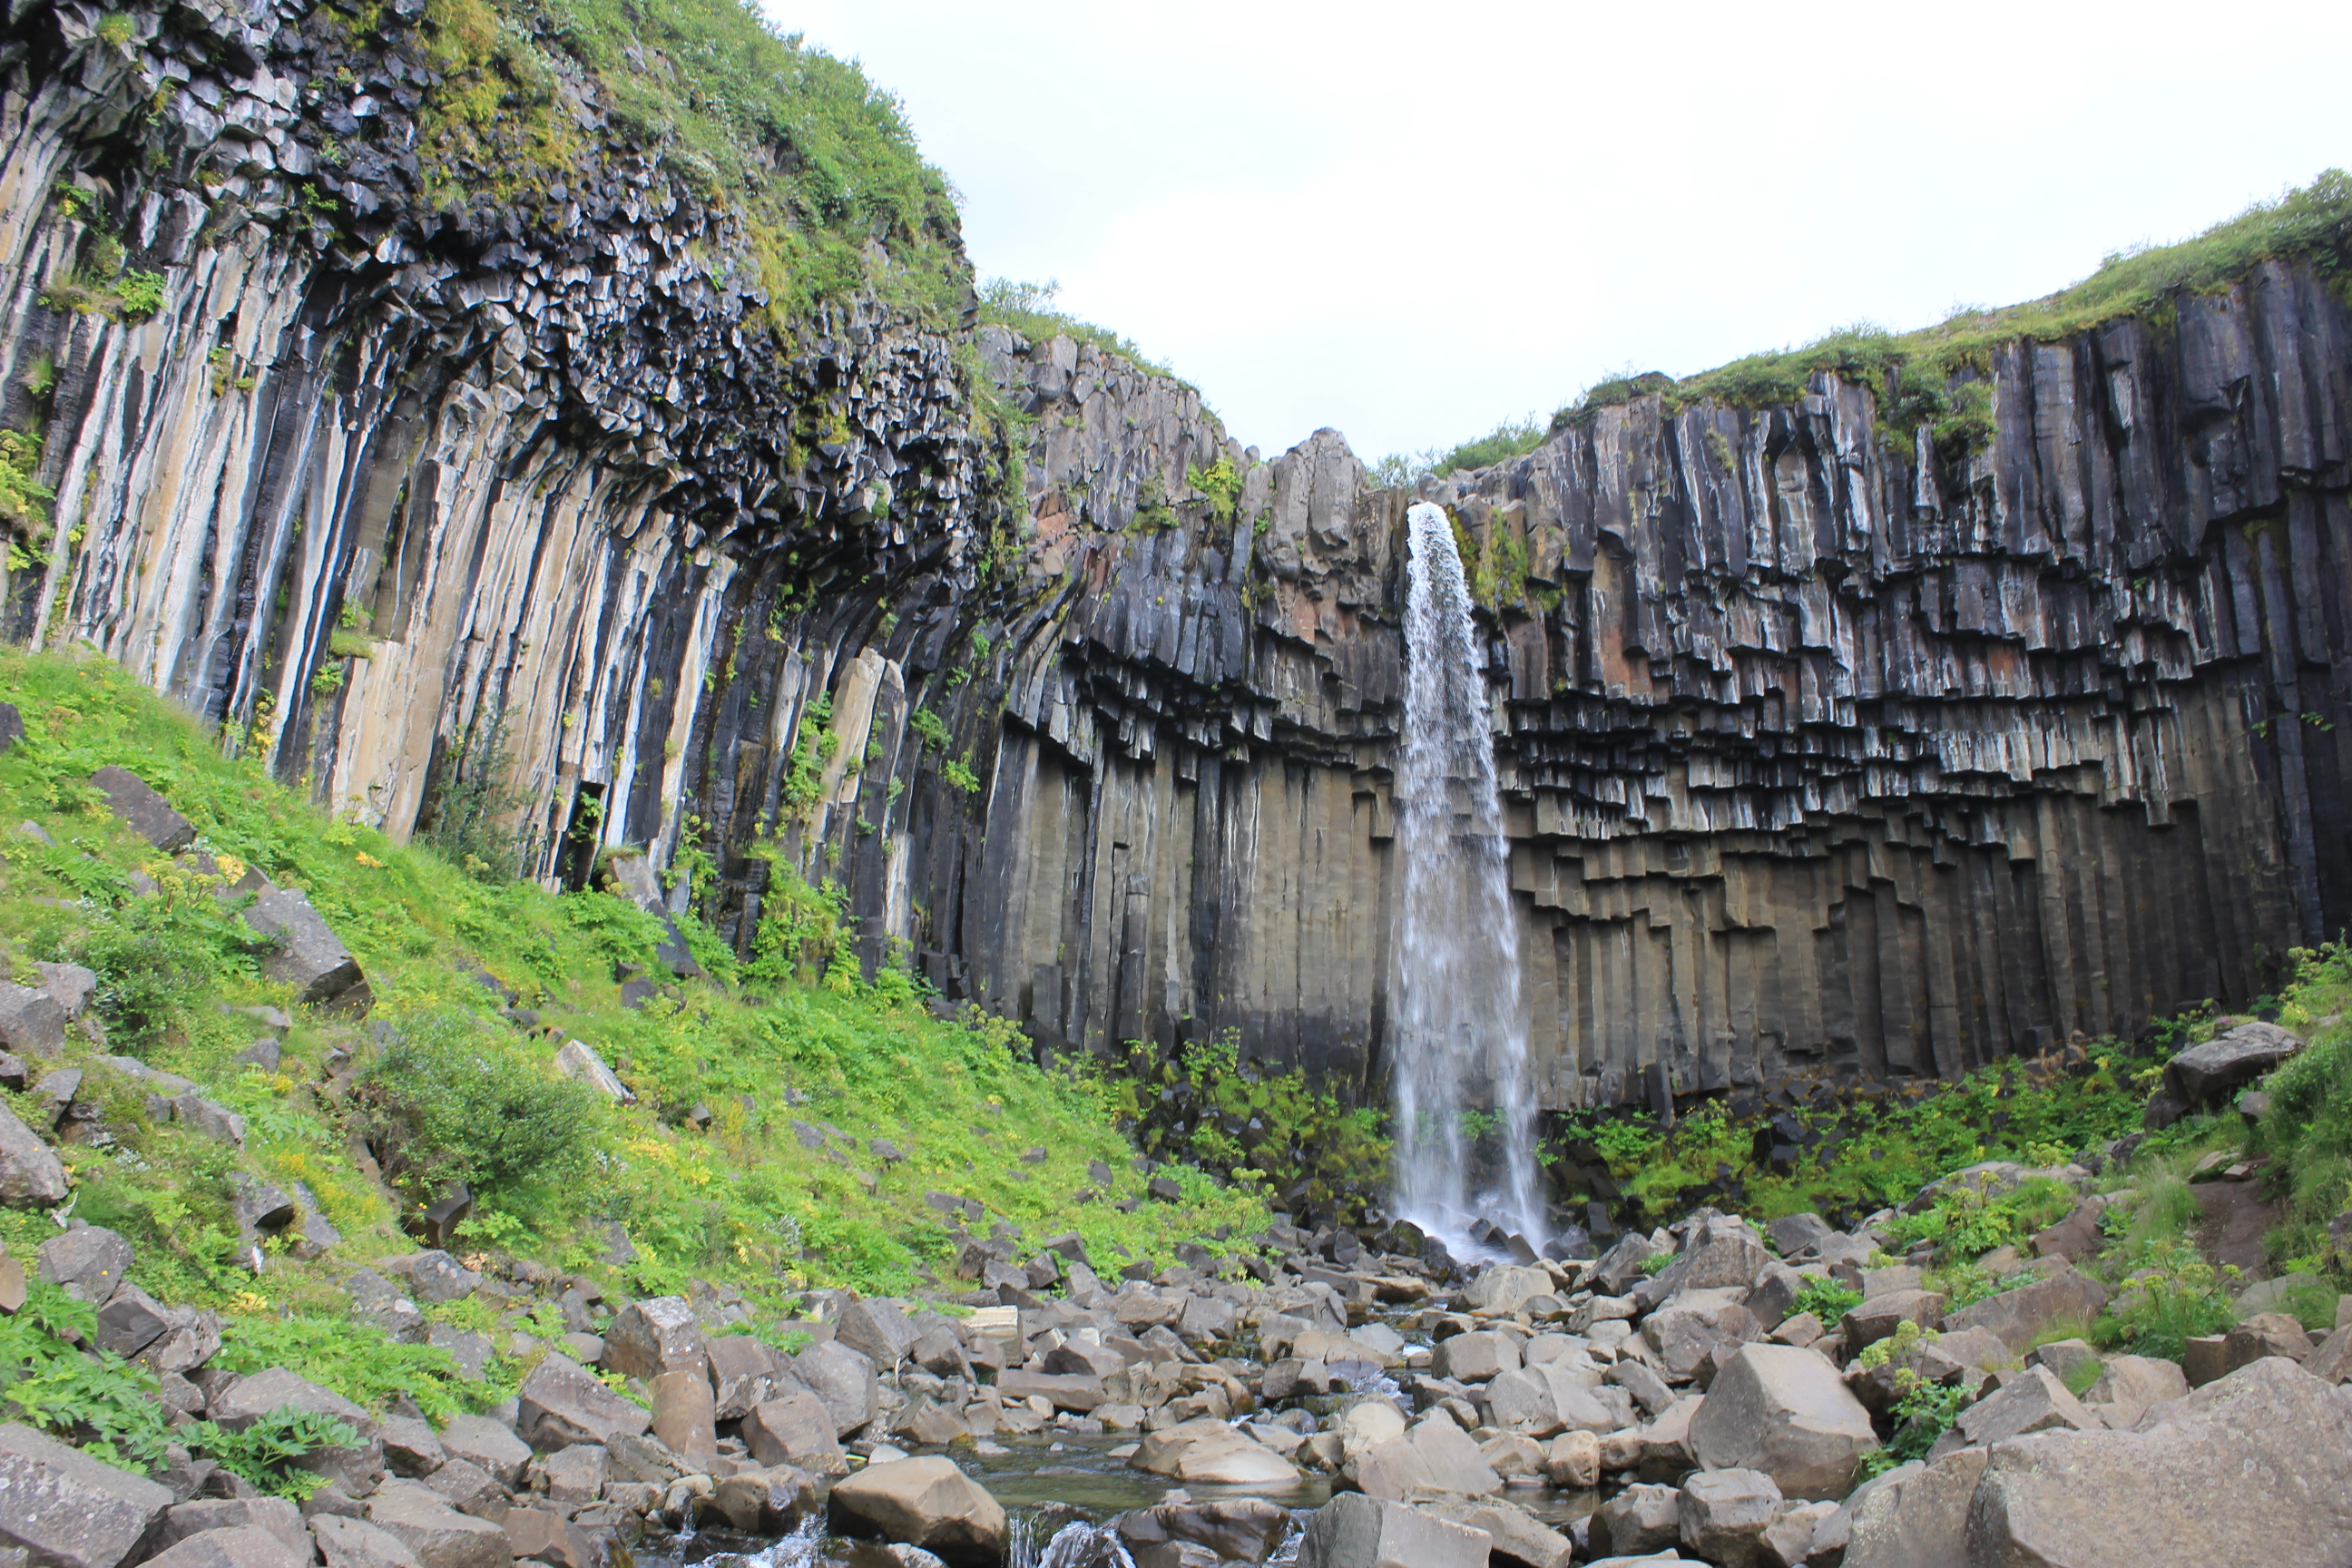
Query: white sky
[1413, 221]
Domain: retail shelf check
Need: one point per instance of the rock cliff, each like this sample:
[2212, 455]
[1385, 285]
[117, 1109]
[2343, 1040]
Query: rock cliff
[1824, 745]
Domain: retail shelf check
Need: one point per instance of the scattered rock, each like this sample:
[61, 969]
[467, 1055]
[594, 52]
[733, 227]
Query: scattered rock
[1353, 1531]
[1788, 1413]
[87, 1263]
[143, 811]
[31, 1021]
[646, 1339]
[68, 1510]
[924, 1502]
[559, 1403]
[794, 1429]
[2206, 1075]
[309, 956]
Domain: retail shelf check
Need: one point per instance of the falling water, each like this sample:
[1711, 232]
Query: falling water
[1460, 1044]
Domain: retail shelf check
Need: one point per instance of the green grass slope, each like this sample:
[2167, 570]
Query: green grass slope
[443, 1086]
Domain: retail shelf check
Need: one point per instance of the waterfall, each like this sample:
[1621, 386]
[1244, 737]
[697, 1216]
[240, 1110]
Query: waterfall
[1459, 1046]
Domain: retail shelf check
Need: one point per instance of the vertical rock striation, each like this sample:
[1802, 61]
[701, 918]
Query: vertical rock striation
[1820, 746]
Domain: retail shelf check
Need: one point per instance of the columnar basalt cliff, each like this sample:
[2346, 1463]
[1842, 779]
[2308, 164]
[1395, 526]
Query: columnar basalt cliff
[1822, 746]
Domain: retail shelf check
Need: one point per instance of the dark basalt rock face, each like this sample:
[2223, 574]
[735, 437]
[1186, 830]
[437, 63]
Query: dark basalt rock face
[1824, 748]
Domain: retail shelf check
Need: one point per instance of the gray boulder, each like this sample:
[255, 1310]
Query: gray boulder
[1237, 1530]
[1641, 1518]
[560, 1404]
[30, 1175]
[70, 985]
[87, 1263]
[31, 1021]
[147, 813]
[310, 957]
[1514, 1535]
[1788, 1413]
[1722, 1515]
[67, 1509]
[248, 1399]
[2255, 1467]
[2204, 1075]
[245, 1546]
[1434, 1456]
[926, 1503]
[2030, 1400]
[1353, 1531]
[877, 1330]
[794, 1429]
[275, 1515]
[2061, 1298]
[490, 1444]
[1474, 1357]
[646, 1339]
[441, 1537]
[1917, 1519]
[355, 1543]
[844, 1379]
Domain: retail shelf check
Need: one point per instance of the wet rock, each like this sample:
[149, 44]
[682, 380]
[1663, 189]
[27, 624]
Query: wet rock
[1209, 1452]
[1436, 1455]
[924, 1502]
[1639, 1520]
[68, 1510]
[1237, 1530]
[1353, 1531]
[794, 1429]
[1788, 1413]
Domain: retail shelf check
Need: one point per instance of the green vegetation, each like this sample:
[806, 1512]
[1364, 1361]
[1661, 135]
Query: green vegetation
[1266, 1130]
[1827, 1301]
[2171, 1297]
[1933, 376]
[442, 1087]
[2307, 1131]
[108, 1407]
[1028, 308]
[358, 1361]
[817, 162]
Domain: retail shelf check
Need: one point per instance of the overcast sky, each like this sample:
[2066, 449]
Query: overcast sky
[1413, 222]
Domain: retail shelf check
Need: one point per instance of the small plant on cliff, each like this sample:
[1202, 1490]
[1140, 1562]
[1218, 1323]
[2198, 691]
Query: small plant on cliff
[115, 30]
[1221, 483]
[959, 773]
[470, 807]
[140, 293]
[23, 499]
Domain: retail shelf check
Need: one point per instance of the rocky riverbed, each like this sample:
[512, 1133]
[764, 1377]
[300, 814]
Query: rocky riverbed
[1333, 1404]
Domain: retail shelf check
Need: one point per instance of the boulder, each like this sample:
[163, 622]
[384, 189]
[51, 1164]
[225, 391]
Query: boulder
[1796, 1234]
[2207, 1074]
[765, 1501]
[1235, 1529]
[2130, 1385]
[70, 984]
[1516, 1539]
[685, 1413]
[2255, 1467]
[877, 1330]
[578, 1061]
[1788, 1413]
[742, 1374]
[1641, 1518]
[411, 1448]
[844, 1379]
[2264, 1334]
[310, 957]
[2030, 1400]
[794, 1429]
[439, 1536]
[143, 811]
[248, 1399]
[1572, 1460]
[1502, 1289]
[489, 1444]
[31, 1021]
[2061, 1298]
[541, 1535]
[467, 1488]
[570, 1478]
[646, 1339]
[1208, 1452]
[2331, 1360]
[244, 1546]
[355, 1543]
[87, 1263]
[275, 1515]
[1353, 1531]
[1917, 1519]
[1475, 1358]
[1434, 1456]
[435, 1277]
[560, 1404]
[1075, 1392]
[1722, 1515]
[925, 1502]
[67, 1509]
[1878, 1317]
[30, 1175]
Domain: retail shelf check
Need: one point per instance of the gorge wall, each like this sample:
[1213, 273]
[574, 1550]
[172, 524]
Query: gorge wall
[1822, 746]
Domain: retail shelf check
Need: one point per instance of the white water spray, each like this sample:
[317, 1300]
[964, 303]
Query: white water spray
[1459, 1046]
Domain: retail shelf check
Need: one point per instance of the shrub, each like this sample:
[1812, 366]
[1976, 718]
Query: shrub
[449, 1099]
[154, 957]
[362, 1364]
[470, 809]
[1827, 1301]
[2174, 1298]
[263, 1455]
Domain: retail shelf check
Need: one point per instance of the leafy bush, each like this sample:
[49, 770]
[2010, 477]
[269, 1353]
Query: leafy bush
[1923, 1412]
[141, 294]
[1029, 308]
[2173, 1297]
[99, 1402]
[451, 1100]
[1827, 1301]
[1202, 1104]
[264, 1453]
[2307, 1131]
[156, 956]
[362, 1364]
